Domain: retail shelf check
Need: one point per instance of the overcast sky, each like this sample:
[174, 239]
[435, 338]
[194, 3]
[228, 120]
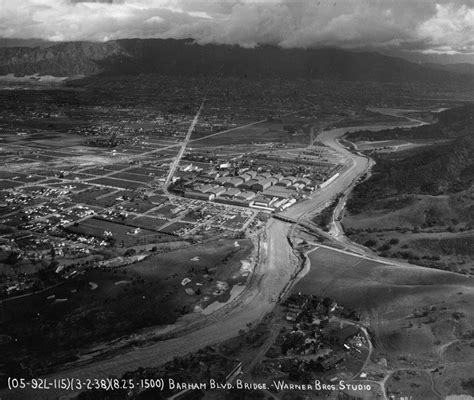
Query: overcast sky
[444, 26]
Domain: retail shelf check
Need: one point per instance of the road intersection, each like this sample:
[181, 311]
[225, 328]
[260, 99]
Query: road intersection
[277, 266]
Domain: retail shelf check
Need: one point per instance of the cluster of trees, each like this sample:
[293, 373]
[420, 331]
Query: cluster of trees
[439, 169]
[324, 218]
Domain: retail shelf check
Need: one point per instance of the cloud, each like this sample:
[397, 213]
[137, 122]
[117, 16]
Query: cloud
[445, 26]
[451, 29]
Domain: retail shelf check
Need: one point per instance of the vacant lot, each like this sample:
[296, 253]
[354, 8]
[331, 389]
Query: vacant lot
[92, 196]
[265, 132]
[116, 196]
[165, 211]
[9, 184]
[122, 235]
[132, 177]
[96, 171]
[198, 275]
[143, 171]
[152, 223]
[175, 227]
[117, 183]
[139, 205]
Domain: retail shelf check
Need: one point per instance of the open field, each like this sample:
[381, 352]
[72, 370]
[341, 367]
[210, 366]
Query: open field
[176, 227]
[204, 266]
[138, 205]
[8, 184]
[368, 117]
[125, 300]
[434, 230]
[115, 197]
[122, 234]
[409, 211]
[132, 177]
[146, 222]
[93, 196]
[413, 313]
[385, 146]
[265, 132]
[96, 171]
[117, 183]
[143, 171]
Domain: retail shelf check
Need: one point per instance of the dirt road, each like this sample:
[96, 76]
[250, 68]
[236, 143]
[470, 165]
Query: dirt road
[277, 266]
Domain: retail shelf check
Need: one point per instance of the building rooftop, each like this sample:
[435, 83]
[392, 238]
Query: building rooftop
[266, 181]
[235, 180]
[279, 191]
[251, 182]
[306, 181]
[231, 192]
[222, 179]
[203, 188]
[246, 195]
[217, 190]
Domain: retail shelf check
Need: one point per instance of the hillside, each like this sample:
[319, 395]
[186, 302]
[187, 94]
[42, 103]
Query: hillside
[449, 124]
[440, 169]
[184, 57]
[418, 204]
[417, 317]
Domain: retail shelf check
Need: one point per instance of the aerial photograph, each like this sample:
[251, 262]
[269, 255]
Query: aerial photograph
[237, 199]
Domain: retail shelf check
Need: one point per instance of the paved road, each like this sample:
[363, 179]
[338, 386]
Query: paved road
[273, 273]
[175, 163]
[276, 267]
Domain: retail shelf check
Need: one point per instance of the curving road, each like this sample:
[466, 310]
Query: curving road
[276, 267]
[273, 273]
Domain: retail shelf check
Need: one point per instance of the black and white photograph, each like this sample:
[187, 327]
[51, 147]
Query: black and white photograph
[236, 199]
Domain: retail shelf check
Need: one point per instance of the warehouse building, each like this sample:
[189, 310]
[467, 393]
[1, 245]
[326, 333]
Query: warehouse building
[192, 194]
[260, 186]
[231, 192]
[217, 191]
[234, 182]
[245, 196]
[279, 191]
[248, 185]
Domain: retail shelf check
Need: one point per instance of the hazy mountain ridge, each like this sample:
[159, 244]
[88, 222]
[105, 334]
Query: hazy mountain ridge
[184, 57]
[7, 42]
[463, 68]
[63, 59]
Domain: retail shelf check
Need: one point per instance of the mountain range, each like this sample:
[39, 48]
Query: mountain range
[185, 57]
